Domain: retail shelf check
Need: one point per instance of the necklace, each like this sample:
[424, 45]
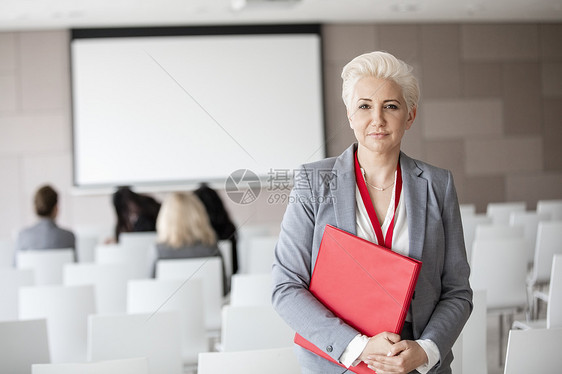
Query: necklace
[379, 188]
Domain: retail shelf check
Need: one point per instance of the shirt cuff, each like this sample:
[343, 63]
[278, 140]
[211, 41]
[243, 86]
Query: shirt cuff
[350, 356]
[432, 352]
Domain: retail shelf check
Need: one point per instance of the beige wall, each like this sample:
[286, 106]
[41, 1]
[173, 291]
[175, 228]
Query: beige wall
[491, 112]
[491, 107]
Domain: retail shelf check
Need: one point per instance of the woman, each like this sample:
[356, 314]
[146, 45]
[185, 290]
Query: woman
[135, 212]
[220, 219]
[184, 230]
[381, 96]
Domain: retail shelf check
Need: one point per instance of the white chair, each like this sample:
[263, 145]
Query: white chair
[529, 221]
[209, 269]
[141, 240]
[534, 351]
[499, 212]
[47, 263]
[260, 254]
[10, 282]
[66, 309]
[85, 247]
[23, 343]
[6, 254]
[498, 231]
[467, 209]
[109, 281]
[154, 336]
[277, 361]
[500, 267]
[123, 366]
[157, 295]
[254, 327]
[554, 306]
[245, 234]
[550, 207]
[469, 224]
[251, 289]
[225, 247]
[549, 239]
[474, 337]
[139, 261]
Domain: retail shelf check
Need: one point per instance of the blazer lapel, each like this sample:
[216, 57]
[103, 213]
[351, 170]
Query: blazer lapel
[415, 191]
[344, 207]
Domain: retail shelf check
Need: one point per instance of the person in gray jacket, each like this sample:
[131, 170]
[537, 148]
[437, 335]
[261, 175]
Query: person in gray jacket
[375, 191]
[45, 234]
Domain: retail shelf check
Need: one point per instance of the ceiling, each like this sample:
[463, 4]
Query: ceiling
[49, 14]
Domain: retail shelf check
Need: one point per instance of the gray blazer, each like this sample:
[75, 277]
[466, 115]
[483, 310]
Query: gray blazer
[45, 234]
[324, 193]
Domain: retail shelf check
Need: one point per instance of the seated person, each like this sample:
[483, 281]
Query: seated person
[135, 212]
[220, 219]
[45, 234]
[184, 230]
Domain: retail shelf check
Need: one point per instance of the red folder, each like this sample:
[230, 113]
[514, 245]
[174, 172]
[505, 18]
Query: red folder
[366, 285]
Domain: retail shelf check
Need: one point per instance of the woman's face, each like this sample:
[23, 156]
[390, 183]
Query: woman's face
[378, 114]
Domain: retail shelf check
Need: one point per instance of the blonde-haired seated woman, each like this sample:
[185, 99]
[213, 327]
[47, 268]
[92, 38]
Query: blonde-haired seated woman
[184, 230]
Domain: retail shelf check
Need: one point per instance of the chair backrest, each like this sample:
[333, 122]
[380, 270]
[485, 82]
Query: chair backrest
[550, 207]
[474, 337]
[85, 247]
[467, 209]
[109, 281]
[499, 266]
[497, 231]
[47, 263]
[549, 239]
[469, 224]
[533, 351]
[499, 212]
[529, 221]
[225, 247]
[138, 239]
[6, 253]
[245, 234]
[260, 254]
[139, 260]
[23, 343]
[277, 361]
[156, 295]
[66, 309]
[254, 327]
[10, 282]
[251, 289]
[154, 336]
[123, 366]
[209, 269]
[554, 307]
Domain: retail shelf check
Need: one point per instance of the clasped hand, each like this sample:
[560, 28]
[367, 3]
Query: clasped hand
[385, 353]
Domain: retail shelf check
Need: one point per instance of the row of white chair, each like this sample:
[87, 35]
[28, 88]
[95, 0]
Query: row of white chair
[277, 361]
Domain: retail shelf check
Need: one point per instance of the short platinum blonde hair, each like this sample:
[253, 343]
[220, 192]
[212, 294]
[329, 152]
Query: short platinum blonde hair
[183, 221]
[381, 65]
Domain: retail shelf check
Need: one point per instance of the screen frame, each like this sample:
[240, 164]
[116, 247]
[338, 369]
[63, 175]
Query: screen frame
[219, 30]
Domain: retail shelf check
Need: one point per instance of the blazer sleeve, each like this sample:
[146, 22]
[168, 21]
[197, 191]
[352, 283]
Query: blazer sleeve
[291, 277]
[455, 300]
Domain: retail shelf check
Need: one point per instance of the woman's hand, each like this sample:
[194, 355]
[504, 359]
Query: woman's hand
[402, 357]
[379, 344]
